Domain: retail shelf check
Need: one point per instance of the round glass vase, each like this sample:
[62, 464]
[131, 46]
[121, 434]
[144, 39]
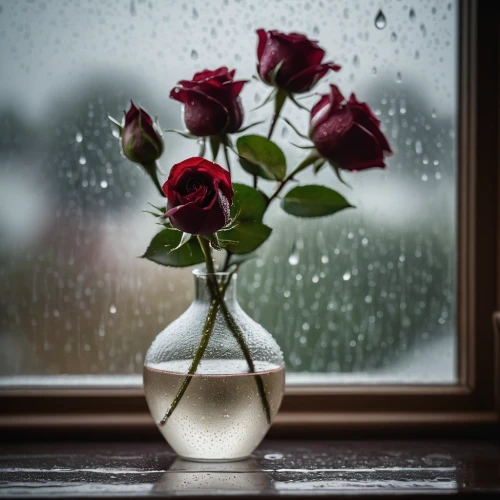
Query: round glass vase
[214, 378]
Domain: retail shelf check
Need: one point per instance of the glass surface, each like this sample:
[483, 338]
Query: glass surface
[368, 295]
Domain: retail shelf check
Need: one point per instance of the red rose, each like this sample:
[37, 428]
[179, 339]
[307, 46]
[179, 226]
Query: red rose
[211, 102]
[199, 195]
[347, 133]
[300, 59]
[141, 139]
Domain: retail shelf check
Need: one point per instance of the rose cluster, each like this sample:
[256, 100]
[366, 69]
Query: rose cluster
[343, 132]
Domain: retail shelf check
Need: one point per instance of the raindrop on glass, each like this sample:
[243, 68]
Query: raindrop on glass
[355, 61]
[380, 20]
[399, 77]
[394, 37]
[346, 276]
[79, 137]
[293, 260]
[112, 309]
[104, 184]
[418, 147]
[82, 160]
[412, 14]
[194, 55]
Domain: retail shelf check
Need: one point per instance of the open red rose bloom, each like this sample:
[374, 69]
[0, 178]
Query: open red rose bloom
[211, 102]
[199, 194]
[347, 133]
[300, 60]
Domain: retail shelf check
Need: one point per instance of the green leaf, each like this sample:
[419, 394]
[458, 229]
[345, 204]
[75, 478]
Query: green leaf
[245, 237]
[214, 146]
[262, 157]
[166, 249]
[313, 201]
[248, 205]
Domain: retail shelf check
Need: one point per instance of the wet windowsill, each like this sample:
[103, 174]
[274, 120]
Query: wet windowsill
[299, 469]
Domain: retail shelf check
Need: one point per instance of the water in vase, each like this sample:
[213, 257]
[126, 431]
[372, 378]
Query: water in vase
[220, 416]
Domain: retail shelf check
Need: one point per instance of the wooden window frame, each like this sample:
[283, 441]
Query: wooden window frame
[473, 405]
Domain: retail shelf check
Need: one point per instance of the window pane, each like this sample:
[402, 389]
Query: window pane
[368, 295]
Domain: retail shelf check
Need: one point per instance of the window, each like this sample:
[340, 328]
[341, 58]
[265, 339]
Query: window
[386, 294]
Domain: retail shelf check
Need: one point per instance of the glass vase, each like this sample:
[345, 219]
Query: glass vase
[214, 378]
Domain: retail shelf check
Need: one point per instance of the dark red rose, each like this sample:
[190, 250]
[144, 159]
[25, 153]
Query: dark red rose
[141, 138]
[347, 133]
[199, 195]
[211, 102]
[300, 59]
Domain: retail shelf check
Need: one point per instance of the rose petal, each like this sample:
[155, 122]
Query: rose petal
[203, 115]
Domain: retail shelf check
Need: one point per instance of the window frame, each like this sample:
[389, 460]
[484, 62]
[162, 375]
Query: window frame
[472, 405]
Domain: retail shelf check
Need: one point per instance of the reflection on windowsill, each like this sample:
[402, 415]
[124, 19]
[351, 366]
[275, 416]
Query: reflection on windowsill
[245, 475]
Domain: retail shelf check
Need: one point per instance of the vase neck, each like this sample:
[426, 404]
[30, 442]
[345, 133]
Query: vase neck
[225, 281]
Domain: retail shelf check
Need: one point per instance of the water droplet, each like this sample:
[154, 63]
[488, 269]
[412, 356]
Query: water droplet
[194, 54]
[195, 14]
[394, 37]
[316, 30]
[425, 178]
[132, 7]
[399, 77]
[82, 160]
[433, 114]
[79, 137]
[324, 259]
[284, 132]
[355, 61]
[418, 147]
[112, 309]
[294, 259]
[374, 71]
[438, 175]
[380, 20]
[346, 276]
[115, 132]
[412, 14]
[104, 184]
[423, 29]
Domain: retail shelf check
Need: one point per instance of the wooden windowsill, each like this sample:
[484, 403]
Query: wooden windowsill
[299, 469]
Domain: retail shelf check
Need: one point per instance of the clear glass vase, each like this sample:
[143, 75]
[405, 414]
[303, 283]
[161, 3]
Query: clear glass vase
[214, 378]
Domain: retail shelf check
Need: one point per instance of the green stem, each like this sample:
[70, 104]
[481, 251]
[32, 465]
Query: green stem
[308, 160]
[226, 260]
[279, 100]
[205, 337]
[238, 335]
[202, 143]
[231, 323]
[152, 170]
[226, 155]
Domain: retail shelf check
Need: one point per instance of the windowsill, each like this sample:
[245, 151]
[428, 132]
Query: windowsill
[278, 468]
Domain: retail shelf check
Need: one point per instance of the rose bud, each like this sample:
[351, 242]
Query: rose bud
[300, 60]
[347, 133]
[141, 138]
[199, 195]
[211, 102]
